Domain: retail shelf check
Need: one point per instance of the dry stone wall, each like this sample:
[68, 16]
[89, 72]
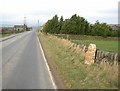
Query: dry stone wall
[106, 55]
[90, 53]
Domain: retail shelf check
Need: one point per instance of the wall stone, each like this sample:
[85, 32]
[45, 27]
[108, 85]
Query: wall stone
[90, 54]
[106, 55]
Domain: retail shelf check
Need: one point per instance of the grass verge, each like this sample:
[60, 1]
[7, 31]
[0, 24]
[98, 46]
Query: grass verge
[0, 35]
[4, 35]
[72, 70]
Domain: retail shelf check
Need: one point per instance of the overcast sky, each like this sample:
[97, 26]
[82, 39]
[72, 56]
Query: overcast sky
[13, 11]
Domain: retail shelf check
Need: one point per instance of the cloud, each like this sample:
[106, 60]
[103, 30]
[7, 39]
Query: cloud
[15, 10]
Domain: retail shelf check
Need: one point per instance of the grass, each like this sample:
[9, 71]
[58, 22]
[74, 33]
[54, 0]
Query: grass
[4, 35]
[111, 46]
[72, 70]
[106, 44]
[0, 35]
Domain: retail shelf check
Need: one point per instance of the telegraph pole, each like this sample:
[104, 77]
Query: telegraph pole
[25, 26]
[38, 24]
[24, 20]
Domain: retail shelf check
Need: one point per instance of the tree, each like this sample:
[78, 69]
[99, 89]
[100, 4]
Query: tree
[61, 24]
[52, 25]
[77, 25]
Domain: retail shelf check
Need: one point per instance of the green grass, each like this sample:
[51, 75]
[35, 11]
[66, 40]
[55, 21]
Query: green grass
[111, 46]
[106, 44]
[72, 70]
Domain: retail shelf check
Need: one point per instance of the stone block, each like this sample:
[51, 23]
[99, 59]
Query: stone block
[90, 54]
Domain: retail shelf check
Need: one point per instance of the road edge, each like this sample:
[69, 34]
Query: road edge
[50, 74]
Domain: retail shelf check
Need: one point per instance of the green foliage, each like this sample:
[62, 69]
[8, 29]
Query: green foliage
[102, 29]
[78, 25]
[52, 25]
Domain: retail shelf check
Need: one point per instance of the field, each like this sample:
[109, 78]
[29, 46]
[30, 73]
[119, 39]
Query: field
[72, 70]
[109, 44]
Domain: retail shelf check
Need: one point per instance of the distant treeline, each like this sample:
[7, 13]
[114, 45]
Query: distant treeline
[78, 25]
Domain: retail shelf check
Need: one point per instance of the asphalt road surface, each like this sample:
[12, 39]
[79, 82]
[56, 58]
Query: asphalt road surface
[23, 66]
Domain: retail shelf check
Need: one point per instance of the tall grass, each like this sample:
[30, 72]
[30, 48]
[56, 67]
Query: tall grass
[72, 70]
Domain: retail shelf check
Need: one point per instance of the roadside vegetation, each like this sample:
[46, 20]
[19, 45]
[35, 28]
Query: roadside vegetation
[4, 35]
[70, 65]
[72, 70]
[0, 35]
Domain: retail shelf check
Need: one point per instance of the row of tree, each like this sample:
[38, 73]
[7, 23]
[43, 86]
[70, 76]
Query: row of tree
[77, 25]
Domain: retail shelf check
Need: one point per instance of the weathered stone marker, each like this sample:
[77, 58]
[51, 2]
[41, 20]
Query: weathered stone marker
[90, 54]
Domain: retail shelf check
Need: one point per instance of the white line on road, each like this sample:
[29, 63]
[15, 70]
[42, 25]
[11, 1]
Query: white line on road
[50, 74]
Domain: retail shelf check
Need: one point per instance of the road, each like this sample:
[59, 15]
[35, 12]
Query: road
[23, 65]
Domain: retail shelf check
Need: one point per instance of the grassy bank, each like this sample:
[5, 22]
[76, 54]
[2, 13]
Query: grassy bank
[72, 70]
[106, 44]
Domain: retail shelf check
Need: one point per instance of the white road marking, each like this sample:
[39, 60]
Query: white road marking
[50, 74]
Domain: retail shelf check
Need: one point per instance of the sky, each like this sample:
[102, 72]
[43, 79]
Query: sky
[13, 11]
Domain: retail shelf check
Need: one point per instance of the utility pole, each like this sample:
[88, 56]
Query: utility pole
[25, 26]
[24, 20]
[38, 24]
